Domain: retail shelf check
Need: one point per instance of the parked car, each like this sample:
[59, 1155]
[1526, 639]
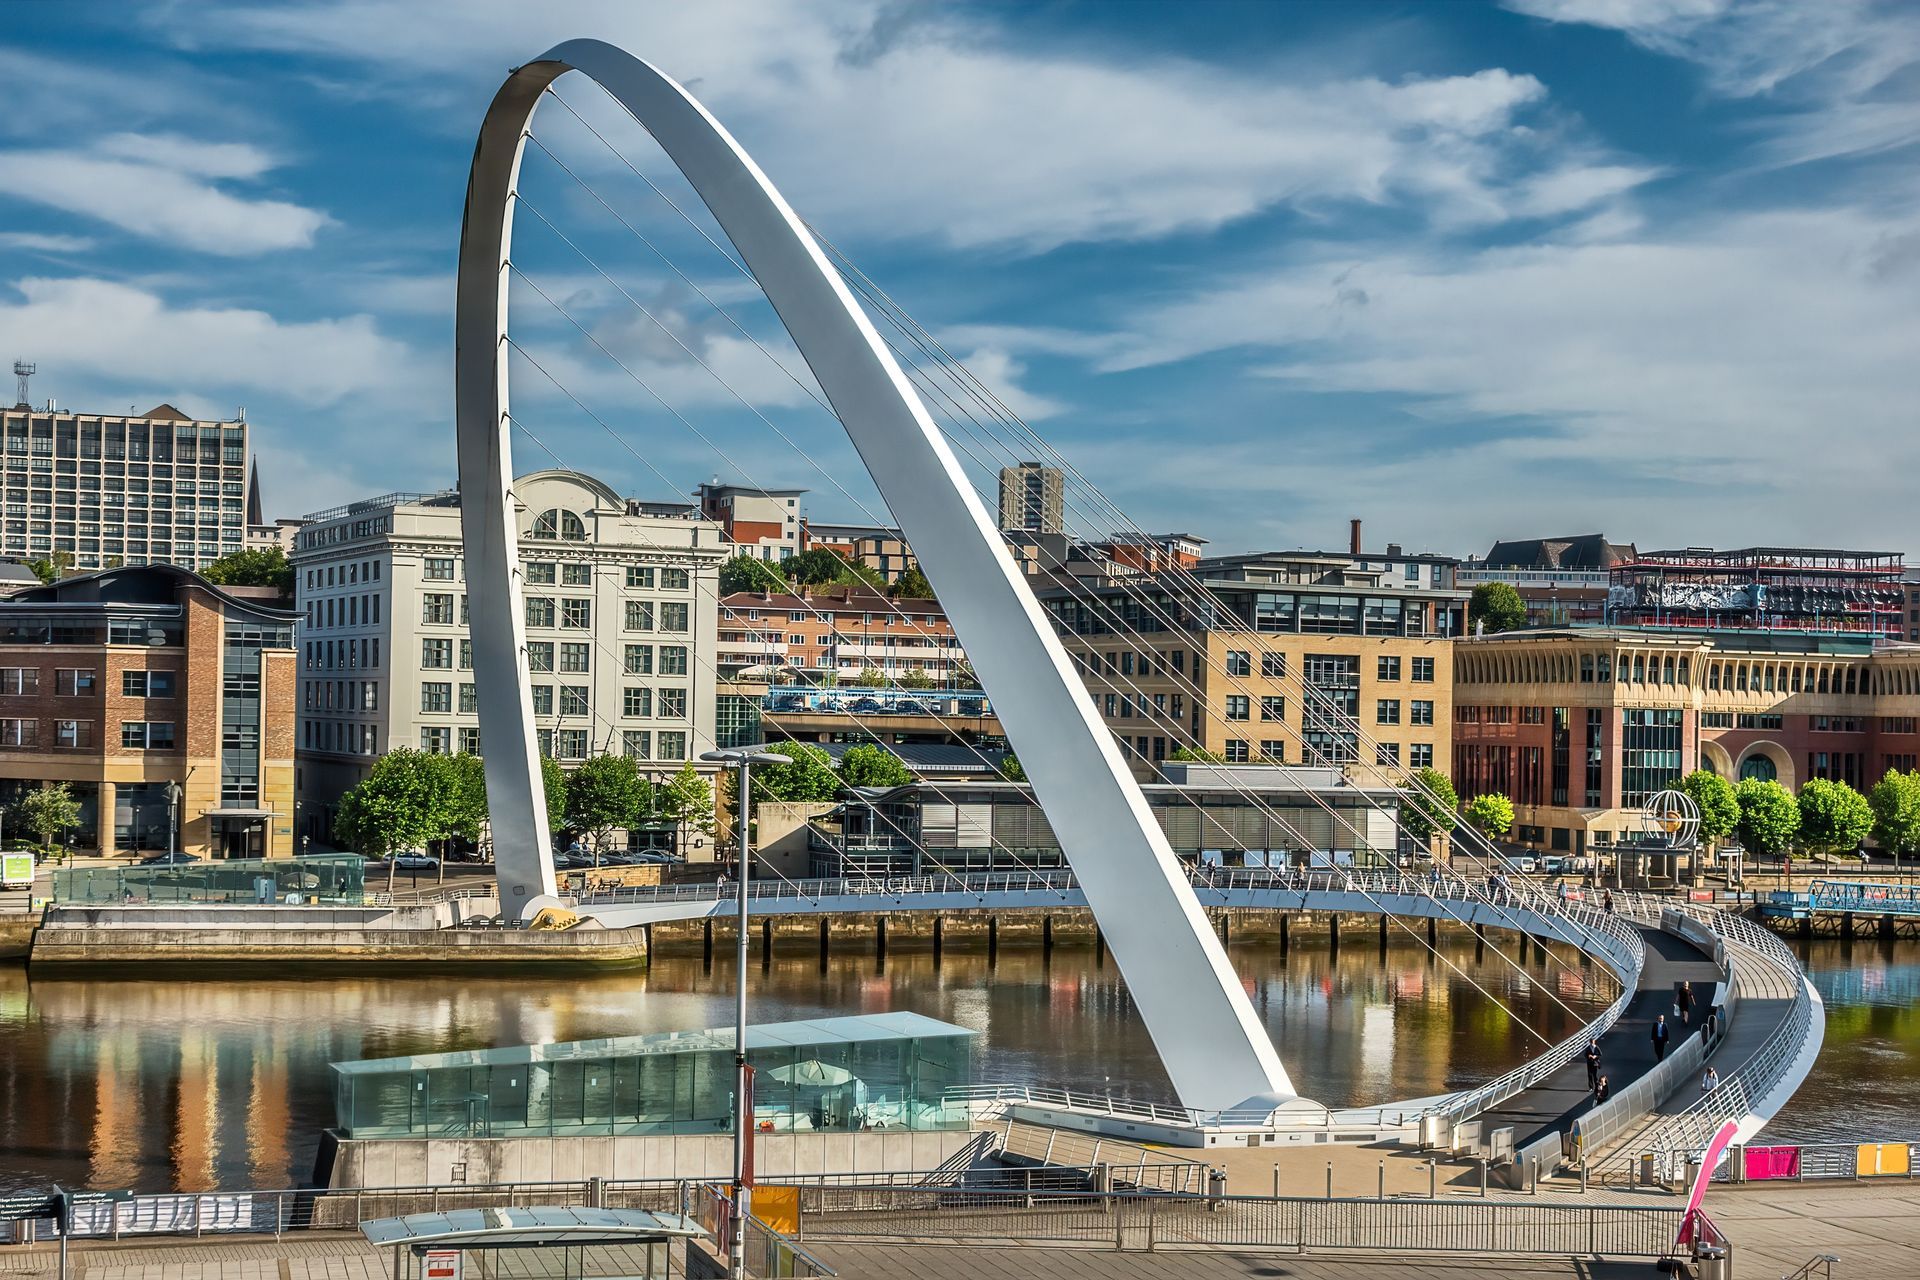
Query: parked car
[173, 859]
[413, 860]
[651, 859]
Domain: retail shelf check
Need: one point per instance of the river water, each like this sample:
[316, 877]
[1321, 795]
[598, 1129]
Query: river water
[172, 1082]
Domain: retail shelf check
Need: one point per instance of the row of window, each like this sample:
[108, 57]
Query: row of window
[343, 575]
[135, 735]
[437, 697]
[83, 682]
[337, 655]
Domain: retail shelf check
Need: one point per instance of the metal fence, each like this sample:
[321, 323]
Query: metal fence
[1134, 1222]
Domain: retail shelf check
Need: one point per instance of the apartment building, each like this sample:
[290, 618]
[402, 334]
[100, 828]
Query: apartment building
[1033, 498]
[1579, 726]
[764, 523]
[879, 547]
[1215, 659]
[111, 489]
[164, 702]
[621, 621]
[837, 632]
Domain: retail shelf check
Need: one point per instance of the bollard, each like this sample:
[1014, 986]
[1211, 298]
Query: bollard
[1433, 1179]
[1329, 1179]
[1483, 1179]
[1276, 1180]
[1216, 1189]
[1381, 1194]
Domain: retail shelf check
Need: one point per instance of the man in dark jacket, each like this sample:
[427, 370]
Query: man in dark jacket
[1593, 1063]
[1661, 1034]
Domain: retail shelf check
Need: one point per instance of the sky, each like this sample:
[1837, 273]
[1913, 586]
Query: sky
[1467, 271]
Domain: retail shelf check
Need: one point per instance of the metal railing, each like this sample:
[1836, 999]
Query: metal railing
[766, 1252]
[1117, 1164]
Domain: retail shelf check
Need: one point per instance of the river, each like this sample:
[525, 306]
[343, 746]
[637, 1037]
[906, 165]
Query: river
[177, 1082]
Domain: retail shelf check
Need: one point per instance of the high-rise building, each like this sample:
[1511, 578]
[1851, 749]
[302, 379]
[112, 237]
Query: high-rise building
[620, 631]
[107, 489]
[1032, 499]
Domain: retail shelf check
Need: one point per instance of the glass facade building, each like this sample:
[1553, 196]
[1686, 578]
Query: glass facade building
[881, 1071]
[334, 879]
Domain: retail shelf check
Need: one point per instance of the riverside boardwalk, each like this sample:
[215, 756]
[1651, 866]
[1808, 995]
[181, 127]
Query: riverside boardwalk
[1874, 1228]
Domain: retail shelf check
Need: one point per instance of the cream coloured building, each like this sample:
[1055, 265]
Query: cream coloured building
[621, 631]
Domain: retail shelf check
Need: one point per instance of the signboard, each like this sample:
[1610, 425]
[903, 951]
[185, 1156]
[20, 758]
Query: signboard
[440, 1264]
[16, 869]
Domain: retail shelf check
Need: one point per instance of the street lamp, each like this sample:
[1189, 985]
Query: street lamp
[742, 758]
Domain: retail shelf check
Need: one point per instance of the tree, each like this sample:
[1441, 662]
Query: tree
[605, 794]
[406, 800]
[1713, 796]
[1768, 816]
[255, 567]
[868, 765]
[1196, 755]
[749, 573]
[686, 801]
[1011, 769]
[964, 676]
[809, 778]
[50, 571]
[469, 817]
[1491, 814]
[1895, 801]
[916, 680]
[1498, 605]
[911, 585]
[871, 677]
[1428, 806]
[47, 811]
[821, 566]
[1833, 816]
[553, 782]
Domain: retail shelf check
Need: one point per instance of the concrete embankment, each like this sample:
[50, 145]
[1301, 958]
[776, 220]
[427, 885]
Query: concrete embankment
[16, 935]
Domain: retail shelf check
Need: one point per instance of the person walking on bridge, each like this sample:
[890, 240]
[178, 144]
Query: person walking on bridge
[1593, 1064]
[1661, 1034]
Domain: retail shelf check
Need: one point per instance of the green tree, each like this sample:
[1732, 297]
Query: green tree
[469, 816]
[1768, 816]
[1196, 755]
[605, 793]
[1713, 796]
[964, 676]
[1833, 816]
[820, 566]
[686, 800]
[809, 778]
[553, 782]
[911, 585]
[871, 677]
[1491, 814]
[1429, 805]
[1011, 769]
[262, 567]
[1498, 605]
[749, 573]
[916, 680]
[1895, 801]
[868, 765]
[47, 811]
[405, 801]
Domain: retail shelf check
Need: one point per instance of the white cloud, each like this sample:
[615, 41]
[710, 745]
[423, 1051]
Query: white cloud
[157, 188]
[34, 242]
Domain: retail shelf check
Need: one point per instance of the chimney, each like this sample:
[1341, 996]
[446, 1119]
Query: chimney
[1353, 544]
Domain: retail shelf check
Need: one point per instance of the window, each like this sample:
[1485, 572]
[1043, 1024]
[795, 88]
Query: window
[639, 615]
[1423, 670]
[436, 655]
[146, 735]
[433, 741]
[673, 617]
[1239, 663]
[639, 660]
[146, 684]
[19, 680]
[1273, 751]
[20, 733]
[556, 523]
[674, 579]
[1387, 668]
[1650, 752]
[70, 682]
[1420, 712]
[469, 698]
[438, 569]
[540, 655]
[436, 608]
[574, 657]
[1273, 707]
[571, 744]
[466, 654]
[1420, 755]
[541, 572]
[436, 696]
[543, 700]
[1236, 751]
[539, 611]
[469, 742]
[672, 744]
[573, 700]
[637, 744]
[576, 614]
[673, 704]
[1239, 707]
[642, 578]
[1273, 666]
[1386, 753]
[636, 702]
[673, 659]
[73, 733]
[576, 575]
[1387, 711]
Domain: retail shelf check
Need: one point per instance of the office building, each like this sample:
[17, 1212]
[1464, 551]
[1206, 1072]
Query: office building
[163, 702]
[1580, 726]
[1032, 498]
[764, 523]
[621, 619]
[95, 490]
[1761, 588]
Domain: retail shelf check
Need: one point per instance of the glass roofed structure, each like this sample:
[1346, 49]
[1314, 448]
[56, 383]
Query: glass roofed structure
[881, 1071]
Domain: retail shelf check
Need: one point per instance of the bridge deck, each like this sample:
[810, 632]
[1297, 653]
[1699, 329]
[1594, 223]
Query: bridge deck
[1626, 1051]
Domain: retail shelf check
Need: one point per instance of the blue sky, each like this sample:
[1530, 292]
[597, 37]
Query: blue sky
[1467, 271]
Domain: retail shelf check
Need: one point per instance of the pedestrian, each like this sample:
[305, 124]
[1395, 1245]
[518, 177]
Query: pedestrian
[1606, 901]
[1683, 1001]
[1593, 1063]
[1709, 1082]
[1661, 1034]
[1600, 1091]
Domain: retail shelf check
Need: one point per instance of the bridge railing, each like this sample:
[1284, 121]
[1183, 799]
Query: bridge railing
[1865, 898]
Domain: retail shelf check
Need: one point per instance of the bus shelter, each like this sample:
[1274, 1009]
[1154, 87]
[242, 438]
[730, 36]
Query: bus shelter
[546, 1242]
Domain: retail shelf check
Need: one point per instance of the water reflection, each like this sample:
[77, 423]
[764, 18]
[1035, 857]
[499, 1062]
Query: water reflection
[1866, 1084]
[174, 1082]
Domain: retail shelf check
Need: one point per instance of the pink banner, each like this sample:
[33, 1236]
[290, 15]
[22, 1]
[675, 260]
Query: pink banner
[1709, 1160]
[1772, 1162]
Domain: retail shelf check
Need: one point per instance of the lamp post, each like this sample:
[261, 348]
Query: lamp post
[743, 759]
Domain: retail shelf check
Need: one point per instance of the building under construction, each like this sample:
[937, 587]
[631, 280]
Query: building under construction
[1760, 588]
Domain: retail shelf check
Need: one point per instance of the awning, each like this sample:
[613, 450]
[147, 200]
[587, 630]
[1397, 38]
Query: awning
[239, 813]
[534, 1226]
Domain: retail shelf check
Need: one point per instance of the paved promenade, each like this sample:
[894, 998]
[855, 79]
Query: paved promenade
[1874, 1228]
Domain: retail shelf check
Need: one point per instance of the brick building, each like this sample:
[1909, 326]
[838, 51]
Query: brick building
[837, 631]
[128, 682]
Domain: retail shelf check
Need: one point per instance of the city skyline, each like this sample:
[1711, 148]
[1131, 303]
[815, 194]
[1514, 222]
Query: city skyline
[1293, 264]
